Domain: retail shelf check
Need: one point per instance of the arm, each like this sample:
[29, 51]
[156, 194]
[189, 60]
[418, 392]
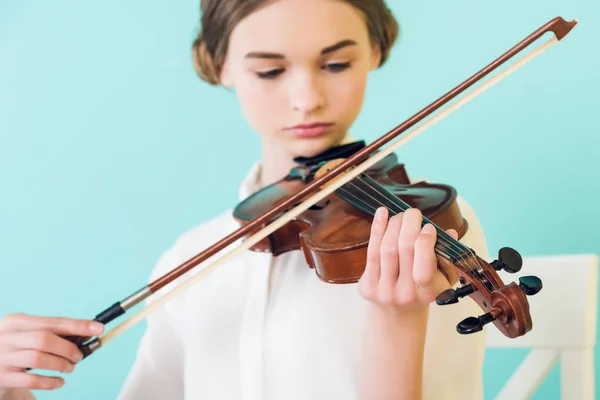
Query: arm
[400, 281]
[393, 353]
[157, 370]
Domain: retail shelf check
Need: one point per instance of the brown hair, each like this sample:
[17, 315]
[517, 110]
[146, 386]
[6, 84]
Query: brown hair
[219, 18]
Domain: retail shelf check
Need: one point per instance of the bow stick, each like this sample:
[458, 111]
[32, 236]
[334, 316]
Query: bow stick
[323, 185]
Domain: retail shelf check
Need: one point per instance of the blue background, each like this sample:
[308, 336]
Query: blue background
[110, 146]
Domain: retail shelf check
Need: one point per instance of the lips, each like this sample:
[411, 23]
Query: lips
[309, 130]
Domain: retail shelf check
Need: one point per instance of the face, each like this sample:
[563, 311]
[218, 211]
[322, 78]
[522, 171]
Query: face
[297, 63]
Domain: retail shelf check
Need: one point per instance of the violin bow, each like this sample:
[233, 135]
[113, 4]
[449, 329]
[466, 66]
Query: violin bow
[323, 185]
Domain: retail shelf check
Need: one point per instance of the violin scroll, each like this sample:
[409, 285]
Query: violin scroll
[505, 305]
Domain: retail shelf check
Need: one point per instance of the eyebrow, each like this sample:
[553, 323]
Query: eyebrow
[326, 50]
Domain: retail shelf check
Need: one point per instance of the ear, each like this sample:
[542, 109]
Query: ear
[375, 56]
[225, 76]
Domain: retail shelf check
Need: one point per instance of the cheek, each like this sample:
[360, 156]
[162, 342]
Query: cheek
[348, 94]
[258, 104]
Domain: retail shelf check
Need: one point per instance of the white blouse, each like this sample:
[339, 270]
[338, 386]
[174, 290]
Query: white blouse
[261, 327]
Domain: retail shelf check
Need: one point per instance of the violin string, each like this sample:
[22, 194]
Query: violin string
[443, 237]
[395, 201]
[392, 209]
[374, 208]
[403, 206]
[448, 255]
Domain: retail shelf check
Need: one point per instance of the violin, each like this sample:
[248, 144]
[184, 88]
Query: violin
[325, 205]
[334, 234]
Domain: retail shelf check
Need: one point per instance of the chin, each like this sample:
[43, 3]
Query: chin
[310, 147]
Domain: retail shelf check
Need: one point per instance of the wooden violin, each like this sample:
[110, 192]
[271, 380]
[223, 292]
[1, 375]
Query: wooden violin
[334, 234]
[324, 207]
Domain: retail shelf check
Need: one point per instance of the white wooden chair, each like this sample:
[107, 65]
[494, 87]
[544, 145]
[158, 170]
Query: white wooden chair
[564, 317]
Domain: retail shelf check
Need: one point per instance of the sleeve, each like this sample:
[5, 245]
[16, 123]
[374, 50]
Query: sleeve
[453, 368]
[157, 372]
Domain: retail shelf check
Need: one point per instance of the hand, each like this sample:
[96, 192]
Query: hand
[34, 342]
[402, 270]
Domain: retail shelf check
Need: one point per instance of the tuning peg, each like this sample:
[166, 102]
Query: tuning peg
[509, 260]
[474, 324]
[530, 284]
[451, 296]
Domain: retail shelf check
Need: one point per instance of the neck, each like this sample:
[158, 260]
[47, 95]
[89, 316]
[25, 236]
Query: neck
[276, 163]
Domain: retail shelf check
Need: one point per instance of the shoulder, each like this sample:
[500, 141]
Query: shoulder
[185, 246]
[192, 242]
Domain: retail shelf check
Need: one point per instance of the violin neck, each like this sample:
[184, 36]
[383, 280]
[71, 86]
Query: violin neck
[368, 195]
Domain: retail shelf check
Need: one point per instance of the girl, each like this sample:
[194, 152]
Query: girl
[264, 327]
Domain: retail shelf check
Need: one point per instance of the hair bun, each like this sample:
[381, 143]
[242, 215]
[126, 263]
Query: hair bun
[204, 62]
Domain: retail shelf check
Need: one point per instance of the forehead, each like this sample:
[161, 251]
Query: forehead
[298, 27]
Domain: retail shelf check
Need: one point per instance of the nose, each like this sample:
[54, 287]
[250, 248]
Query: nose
[306, 93]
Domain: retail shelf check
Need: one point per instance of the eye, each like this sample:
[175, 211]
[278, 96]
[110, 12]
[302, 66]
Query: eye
[337, 67]
[274, 73]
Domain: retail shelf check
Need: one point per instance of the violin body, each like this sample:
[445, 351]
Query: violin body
[334, 234]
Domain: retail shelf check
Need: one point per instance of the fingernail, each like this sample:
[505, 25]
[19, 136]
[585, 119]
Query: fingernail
[428, 228]
[379, 213]
[96, 327]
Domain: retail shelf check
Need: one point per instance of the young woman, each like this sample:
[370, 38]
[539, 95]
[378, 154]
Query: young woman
[264, 327]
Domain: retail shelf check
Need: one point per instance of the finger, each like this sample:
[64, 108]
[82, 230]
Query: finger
[46, 342]
[453, 233]
[58, 325]
[411, 228]
[448, 270]
[15, 380]
[389, 253]
[445, 266]
[36, 359]
[426, 274]
[380, 222]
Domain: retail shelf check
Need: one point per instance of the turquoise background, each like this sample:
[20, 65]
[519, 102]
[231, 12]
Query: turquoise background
[110, 146]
